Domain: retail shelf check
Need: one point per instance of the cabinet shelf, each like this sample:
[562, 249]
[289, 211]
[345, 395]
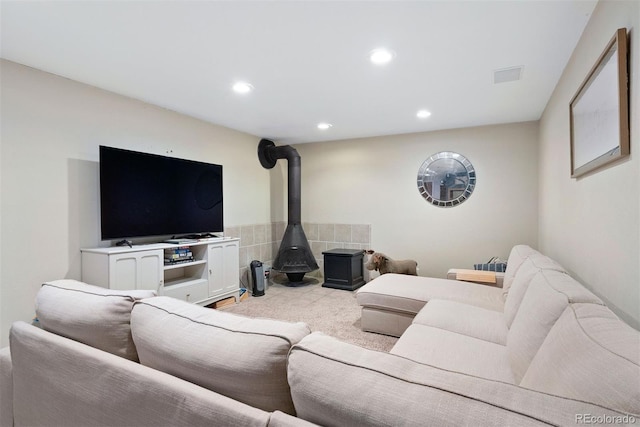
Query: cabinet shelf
[184, 281]
[184, 264]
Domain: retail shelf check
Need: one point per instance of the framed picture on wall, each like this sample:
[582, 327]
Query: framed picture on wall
[599, 111]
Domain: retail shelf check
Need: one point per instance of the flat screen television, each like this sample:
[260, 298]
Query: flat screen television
[152, 195]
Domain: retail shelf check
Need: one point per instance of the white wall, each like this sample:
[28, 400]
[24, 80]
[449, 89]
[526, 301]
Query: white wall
[591, 224]
[51, 130]
[374, 181]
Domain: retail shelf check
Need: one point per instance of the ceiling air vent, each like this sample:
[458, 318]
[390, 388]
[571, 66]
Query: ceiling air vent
[510, 74]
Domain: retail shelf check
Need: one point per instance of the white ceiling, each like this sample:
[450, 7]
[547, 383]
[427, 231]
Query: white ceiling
[307, 59]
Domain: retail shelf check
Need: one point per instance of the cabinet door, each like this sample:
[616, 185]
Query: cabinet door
[136, 270]
[123, 271]
[231, 267]
[190, 292]
[216, 270]
[150, 270]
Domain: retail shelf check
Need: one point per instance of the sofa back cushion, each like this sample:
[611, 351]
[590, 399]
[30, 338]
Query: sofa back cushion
[529, 268]
[547, 296]
[92, 315]
[589, 355]
[517, 256]
[60, 382]
[236, 356]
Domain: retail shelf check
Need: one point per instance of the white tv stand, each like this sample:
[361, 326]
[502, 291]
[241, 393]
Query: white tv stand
[211, 276]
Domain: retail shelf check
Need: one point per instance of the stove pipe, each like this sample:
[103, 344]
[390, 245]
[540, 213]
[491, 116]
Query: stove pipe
[294, 256]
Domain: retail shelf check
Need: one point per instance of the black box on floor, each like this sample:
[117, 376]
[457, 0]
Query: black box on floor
[343, 269]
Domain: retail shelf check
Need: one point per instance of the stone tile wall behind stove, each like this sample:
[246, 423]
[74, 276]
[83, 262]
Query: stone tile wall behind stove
[261, 241]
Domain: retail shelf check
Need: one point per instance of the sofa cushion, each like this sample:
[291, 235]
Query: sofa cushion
[517, 256]
[546, 298]
[589, 355]
[529, 268]
[454, 352]
[385, 322]
[339, 384]
[60, 382]
[280, 419]
[236, 356]
[408, 294]
[6, 388]
[465, 319]
[96, 316]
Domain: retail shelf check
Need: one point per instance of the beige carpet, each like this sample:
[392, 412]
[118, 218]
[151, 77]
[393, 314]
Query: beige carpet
[334, 312]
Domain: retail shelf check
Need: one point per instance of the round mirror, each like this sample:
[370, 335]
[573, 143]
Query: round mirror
[446, 179]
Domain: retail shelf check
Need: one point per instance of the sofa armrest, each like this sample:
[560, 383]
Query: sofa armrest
[489, 278]
[6, 388]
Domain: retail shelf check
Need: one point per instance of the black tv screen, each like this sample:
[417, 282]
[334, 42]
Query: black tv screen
[151, 195]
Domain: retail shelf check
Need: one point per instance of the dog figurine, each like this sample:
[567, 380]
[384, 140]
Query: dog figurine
[382, 263]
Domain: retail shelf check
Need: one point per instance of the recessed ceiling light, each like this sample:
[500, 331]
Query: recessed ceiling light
[324, 126]
[242, 87]
[381, 56]
[423, 114]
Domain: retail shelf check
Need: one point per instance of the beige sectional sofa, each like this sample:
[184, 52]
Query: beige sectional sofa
[550, 354]
[542, 331]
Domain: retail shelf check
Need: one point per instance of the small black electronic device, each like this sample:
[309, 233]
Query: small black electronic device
[125, 242]
[257, 278]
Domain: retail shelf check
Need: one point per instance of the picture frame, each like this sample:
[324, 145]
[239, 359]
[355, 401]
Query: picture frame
[599, 111]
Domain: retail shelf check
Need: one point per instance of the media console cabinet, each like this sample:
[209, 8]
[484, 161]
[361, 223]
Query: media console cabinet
[212, 275]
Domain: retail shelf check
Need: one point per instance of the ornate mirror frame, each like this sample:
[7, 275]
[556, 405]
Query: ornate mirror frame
[454, 174]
